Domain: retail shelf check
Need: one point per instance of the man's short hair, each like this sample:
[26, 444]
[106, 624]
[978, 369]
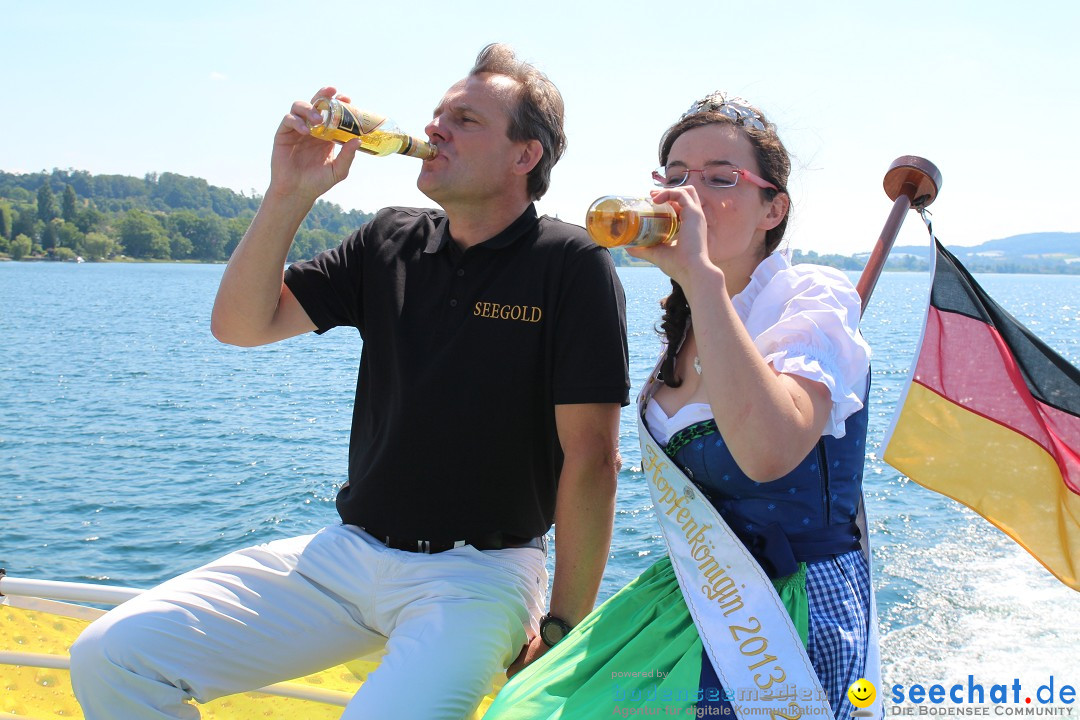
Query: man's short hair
[538, 114]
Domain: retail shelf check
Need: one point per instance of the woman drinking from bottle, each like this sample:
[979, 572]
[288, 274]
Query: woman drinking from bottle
[752, 428]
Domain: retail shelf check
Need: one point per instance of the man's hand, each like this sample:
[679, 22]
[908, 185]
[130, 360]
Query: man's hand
[528, 654]
[304, 166]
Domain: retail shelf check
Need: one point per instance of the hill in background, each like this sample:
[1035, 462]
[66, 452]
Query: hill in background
[70, 213]
[1040, 253]
[1046, 252]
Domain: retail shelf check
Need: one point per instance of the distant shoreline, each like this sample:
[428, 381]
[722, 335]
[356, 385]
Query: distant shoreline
[817, 261]
[65, 214]
[120, 261]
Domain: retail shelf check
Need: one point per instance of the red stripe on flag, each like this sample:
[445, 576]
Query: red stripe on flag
[968, 362]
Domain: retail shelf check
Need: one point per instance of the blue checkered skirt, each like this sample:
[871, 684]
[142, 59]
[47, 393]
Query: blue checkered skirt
[838, 591]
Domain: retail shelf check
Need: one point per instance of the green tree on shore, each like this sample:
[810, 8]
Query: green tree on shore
[6, 220]
[20, 247]
[46, 203]
[142, 236]
[207, 235]
[98, 246]
[24, 222]
[69, 205]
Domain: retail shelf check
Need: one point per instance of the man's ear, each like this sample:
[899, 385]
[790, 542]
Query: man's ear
[531, 152]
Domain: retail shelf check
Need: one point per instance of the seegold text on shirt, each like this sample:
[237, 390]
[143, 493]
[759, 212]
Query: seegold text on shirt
[498, 311]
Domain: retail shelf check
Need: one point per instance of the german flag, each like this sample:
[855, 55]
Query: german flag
[991, 418]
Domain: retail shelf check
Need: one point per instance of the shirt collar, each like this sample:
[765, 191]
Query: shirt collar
[513, 232]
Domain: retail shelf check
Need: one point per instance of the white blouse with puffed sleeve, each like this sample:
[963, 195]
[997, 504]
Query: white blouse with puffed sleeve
[804, 320]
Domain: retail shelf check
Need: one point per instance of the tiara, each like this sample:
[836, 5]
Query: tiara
[734, 108]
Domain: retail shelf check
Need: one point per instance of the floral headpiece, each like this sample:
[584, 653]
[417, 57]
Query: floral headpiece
[734, 108]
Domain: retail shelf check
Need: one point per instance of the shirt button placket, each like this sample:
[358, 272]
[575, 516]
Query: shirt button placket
[460, 273]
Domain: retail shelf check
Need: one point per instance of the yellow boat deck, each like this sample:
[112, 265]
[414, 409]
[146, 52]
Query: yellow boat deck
[45, 693]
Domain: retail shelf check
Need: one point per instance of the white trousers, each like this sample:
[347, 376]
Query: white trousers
[449, 623]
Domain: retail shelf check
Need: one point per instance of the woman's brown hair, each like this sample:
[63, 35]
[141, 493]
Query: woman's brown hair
[774, 165]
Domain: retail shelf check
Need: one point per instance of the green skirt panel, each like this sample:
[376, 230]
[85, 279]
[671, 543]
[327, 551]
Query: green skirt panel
[640, 649]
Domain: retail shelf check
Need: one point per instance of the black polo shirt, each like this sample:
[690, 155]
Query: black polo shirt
[465, 355]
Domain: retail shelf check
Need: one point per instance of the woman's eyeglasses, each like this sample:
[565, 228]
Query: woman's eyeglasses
[717, 176]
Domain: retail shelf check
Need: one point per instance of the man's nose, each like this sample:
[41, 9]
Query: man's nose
[435, 131]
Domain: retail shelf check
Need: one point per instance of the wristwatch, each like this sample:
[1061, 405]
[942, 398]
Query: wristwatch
[553, 629]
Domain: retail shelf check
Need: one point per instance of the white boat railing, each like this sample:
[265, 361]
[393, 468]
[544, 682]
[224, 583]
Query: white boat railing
[73, 592]
[66, 591]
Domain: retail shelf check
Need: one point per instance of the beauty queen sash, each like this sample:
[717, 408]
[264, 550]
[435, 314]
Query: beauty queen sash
[744, 626]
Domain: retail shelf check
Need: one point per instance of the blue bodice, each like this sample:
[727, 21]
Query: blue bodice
[807, 515]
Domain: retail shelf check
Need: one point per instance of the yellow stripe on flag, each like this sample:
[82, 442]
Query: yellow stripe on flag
[997, 472]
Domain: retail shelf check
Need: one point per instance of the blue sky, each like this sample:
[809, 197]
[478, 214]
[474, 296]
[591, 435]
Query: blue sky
[985, 90]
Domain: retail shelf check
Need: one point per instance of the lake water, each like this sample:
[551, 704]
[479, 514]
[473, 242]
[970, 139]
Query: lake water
[134, 446]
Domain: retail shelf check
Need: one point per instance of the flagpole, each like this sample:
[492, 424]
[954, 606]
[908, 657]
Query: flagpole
[911, 182]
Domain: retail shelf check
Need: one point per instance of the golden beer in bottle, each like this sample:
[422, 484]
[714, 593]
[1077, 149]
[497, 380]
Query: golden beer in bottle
[378, 135]
[618, 221]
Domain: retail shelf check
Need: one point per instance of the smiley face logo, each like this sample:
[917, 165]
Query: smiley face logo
[862, 693]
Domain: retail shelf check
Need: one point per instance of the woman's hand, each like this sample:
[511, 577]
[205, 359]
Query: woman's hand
[688, 252]
[302, 165]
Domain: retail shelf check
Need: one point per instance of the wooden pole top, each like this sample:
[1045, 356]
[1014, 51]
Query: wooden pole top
[916, 177]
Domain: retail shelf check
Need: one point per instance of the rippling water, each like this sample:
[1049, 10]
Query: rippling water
[134, 446]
